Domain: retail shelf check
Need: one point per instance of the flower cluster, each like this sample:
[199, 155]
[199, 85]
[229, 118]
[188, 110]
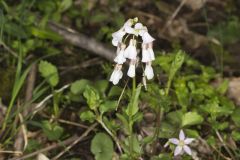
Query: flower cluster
[182, 144]
[133, 29]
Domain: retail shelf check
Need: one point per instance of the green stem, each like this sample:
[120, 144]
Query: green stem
[99, 119]
[130, 123]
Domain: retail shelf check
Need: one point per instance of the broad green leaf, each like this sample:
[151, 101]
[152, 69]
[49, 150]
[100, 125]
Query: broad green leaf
[191, 118]
[102, 147]
[87, 116]
[79, 86]
[101, 85]
[92, 96]
[52, 131]
[49, 72]
[132, 108]
[108, 106]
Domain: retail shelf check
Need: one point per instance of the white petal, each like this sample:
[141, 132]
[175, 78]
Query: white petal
[147, 38]
[174, 141]
[115, 42]
[178, 150]
[152, 56]
[188, 140]
[149, 72]
[138, 26]
[120, 59]
[132, 53]
[131, 71]
[187, 150]
[142, 30]
[129, 30]
[117, 36]
[181, 135]
[112, 75]
[146, 57]
[129, 22]
[117, 77]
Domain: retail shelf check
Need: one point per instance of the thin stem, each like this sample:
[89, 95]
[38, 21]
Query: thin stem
[110, 133]
[130, 123]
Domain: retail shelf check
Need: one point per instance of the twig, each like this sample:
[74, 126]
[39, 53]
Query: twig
[8, 49]
[22, 133]
[169, 22]
[224, 145]
[82, 41]
[75, 142]
[60, 144]
[91, 62]
[39, 105]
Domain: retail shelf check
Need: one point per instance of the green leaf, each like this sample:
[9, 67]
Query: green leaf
[45, 34]
[133, 105]
[101, 86]
[87, 116]
[64, 5]
[236, 135]
[222, 88]
[102, 147]
[92, 96]
[191, 118]
[79, 86]
[108, 106]
[52, 131]
[49, 72]
[236, 117]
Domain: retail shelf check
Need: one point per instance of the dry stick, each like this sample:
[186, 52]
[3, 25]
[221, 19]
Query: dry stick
[60, 144]
[8, 49]
[22, 133]
[169, 22]
[224, 145]
[91, 62]
[75, 142]
[82, 41]
[40, 106]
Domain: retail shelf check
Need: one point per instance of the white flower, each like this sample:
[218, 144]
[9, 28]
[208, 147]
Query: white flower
[147, 38]
[117, 36]
[131, 70]
[120, 59]
[150, 50]
[116, 75]
[146, 55]
[149, 71]
[182, 144]
[131, 51]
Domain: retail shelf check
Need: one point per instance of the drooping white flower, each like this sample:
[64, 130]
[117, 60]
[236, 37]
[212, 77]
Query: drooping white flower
[146, 55]
[150, 50]
[131, 51]
[182, 144]
[120, 59]
[147, 38]
[131, 70]
[149, 71]
[116, 75]
[117, 36]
